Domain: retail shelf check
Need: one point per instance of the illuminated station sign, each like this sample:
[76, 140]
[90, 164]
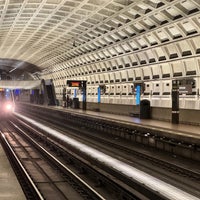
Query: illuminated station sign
[75, 83]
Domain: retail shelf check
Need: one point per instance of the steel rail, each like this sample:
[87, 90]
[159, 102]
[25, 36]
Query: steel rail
[159, 162]
[147, 180]
[60, 164]
[6, 145]
[103, 176]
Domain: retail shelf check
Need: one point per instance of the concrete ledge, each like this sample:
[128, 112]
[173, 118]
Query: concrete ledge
[158, 113]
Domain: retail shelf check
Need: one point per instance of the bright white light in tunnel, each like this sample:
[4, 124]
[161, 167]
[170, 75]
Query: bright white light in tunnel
[167, 190]
[9, 106]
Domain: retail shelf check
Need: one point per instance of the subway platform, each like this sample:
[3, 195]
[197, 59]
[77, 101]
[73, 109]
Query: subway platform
[10, 188]
[177, 130]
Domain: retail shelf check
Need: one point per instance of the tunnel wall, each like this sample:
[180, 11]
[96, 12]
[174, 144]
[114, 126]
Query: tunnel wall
[187, 116]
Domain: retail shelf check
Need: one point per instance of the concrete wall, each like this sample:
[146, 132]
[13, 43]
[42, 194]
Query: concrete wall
[186, 116]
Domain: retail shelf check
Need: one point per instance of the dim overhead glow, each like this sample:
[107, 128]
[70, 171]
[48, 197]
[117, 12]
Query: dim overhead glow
[12, 69]
[18, 65]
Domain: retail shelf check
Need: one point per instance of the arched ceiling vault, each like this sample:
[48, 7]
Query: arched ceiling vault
[38, 35]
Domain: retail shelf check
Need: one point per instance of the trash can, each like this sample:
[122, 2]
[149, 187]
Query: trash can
[145, 109]
[75, 103]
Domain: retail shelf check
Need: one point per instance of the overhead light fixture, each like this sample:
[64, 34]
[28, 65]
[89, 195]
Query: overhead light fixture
[12, 69]
[17, 66]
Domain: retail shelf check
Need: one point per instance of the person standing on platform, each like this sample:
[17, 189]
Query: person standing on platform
[64, 97]
[68, 101]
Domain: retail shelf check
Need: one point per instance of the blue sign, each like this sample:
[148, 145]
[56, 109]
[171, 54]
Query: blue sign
[138, 88]
[74, 93]
[99, 94]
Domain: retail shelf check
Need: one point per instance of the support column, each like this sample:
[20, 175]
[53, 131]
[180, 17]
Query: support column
[175, 102]
[84, 94]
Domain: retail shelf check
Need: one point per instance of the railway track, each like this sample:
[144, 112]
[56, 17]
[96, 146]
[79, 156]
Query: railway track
[40, 173]
[53, 168]
[183, 176]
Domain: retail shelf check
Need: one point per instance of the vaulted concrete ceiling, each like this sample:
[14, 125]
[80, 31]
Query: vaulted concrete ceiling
[36, 35]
